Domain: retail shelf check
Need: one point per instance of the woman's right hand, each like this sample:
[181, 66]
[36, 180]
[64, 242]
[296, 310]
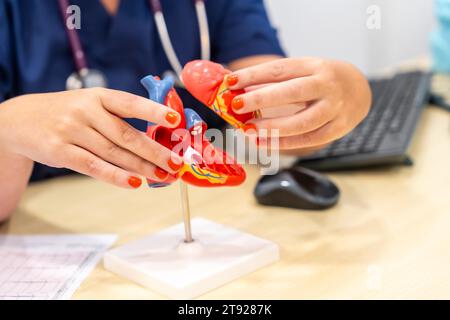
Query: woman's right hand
[83, 130]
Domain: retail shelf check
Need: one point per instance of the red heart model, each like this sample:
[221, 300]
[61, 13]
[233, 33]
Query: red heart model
[204, 165]
[205, 80]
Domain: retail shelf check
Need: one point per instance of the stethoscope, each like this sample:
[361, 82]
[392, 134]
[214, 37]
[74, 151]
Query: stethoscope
[84, 77]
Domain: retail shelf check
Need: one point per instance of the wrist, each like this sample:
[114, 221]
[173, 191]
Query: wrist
[6, 150]
[3, 121]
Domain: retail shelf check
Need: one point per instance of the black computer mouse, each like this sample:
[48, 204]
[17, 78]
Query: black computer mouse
[297, 188]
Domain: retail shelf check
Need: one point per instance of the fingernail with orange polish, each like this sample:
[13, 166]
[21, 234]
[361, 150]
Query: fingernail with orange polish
[172, 118]
[135, 182]
[174, 166]
[250, 127]
[238, 103]
[161, 174]
[232, 79]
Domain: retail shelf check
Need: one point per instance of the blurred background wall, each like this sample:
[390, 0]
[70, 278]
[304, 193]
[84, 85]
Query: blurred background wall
[337, 29]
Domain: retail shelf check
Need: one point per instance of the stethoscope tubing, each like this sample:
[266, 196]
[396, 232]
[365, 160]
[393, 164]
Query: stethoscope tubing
[78, 52]
[204, 29]
[164, 35]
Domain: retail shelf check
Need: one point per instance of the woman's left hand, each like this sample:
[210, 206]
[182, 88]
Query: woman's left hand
[329, 98]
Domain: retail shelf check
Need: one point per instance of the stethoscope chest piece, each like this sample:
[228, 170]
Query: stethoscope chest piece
[86, 78]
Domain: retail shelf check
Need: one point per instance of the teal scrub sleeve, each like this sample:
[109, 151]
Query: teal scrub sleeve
[440, 38]
[245, 30]
[6, 60]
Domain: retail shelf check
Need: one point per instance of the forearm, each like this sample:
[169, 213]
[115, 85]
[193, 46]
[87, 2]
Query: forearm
[15, 171]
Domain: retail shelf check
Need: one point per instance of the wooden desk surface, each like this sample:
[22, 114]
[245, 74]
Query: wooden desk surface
[388, 238]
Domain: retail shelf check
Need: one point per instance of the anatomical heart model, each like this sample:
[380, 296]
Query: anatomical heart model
[163, 261]
[205, 80]
[204, 164]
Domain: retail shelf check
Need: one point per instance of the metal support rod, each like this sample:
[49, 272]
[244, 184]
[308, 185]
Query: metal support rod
[186, 212]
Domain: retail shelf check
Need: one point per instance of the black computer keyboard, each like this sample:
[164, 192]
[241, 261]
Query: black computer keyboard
[384, 136]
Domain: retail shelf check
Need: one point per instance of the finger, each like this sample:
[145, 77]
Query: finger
[84, 162]
[288, 92]
[127, 105]
[124, 135]
[324, 135]
[274, 71]
[257, 87]
[307, 120]
[97, 144]
[283, 110]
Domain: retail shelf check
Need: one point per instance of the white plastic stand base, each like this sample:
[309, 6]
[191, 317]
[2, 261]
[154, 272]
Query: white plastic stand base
[178, 270]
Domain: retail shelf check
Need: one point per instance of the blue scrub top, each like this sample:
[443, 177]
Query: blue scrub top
[35, 56]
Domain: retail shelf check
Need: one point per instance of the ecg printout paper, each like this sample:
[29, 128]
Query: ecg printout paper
[48, 267]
